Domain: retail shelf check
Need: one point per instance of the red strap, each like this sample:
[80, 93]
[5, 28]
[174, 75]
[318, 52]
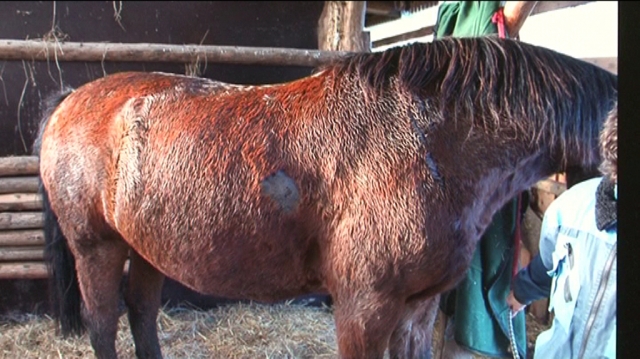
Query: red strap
[498, 19]
[516, 254]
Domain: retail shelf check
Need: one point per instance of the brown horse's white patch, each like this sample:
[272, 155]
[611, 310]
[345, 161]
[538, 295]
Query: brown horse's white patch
[282, 189]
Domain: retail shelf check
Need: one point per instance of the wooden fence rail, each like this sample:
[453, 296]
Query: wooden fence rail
[18, 185]
[144, 52]
[18, 165]
[23, 270]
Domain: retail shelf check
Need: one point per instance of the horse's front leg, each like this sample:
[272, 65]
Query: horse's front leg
[364, 322]
[143, 298]
[412, 337]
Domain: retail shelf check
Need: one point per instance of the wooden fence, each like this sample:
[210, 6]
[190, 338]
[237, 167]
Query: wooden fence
[21, 220]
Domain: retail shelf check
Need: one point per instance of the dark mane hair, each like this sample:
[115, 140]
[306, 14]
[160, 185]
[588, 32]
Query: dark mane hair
[497, 83]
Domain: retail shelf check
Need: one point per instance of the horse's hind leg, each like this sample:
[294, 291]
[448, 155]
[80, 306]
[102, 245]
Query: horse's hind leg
[143, 297]
[100, 263]
[412, 338]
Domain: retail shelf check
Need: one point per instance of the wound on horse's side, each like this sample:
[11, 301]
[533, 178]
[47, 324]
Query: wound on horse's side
[282, 189]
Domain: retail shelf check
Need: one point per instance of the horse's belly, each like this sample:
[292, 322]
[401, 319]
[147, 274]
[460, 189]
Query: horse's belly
[234, 254]
[243, 269]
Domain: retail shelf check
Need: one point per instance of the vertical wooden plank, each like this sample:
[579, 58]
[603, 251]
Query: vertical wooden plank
[341, 27]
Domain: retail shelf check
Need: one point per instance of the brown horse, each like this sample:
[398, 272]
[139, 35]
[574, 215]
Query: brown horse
[371, 180]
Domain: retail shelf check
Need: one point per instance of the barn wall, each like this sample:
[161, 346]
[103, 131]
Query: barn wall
[264, 24]
[24, 84]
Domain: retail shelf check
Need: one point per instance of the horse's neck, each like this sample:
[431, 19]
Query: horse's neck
[490, 188]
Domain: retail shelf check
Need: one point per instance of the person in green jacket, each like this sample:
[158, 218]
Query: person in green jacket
[478, 312]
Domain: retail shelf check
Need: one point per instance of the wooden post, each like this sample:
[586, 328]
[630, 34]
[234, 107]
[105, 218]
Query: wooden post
[341, 27]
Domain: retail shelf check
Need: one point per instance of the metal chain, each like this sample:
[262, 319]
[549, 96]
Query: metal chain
[512, 337]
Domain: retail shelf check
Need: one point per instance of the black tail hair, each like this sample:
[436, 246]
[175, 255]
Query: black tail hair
[64, 291]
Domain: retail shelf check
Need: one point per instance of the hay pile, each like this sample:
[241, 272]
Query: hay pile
[239, 331]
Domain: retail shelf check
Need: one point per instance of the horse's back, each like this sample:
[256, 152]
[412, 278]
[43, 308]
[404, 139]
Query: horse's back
[182, 176]
[104, 124]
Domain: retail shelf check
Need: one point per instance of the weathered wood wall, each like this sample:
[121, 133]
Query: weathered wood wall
[23, 85]
[249, 23]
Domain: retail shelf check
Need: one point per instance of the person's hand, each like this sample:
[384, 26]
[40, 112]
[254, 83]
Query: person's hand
[514, 304]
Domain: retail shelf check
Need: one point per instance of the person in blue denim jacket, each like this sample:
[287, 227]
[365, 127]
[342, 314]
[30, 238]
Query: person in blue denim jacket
[577, 264]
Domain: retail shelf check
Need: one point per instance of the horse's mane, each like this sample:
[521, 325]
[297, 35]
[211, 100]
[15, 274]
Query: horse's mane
[502, 82]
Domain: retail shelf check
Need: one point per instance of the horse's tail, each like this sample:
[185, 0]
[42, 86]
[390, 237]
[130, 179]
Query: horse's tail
[64, 291]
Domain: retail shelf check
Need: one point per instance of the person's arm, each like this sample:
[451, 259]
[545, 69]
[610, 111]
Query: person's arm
[533, 282]
[515, 13]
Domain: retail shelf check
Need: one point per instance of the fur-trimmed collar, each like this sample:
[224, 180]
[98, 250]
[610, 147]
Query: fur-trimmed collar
[606, 204]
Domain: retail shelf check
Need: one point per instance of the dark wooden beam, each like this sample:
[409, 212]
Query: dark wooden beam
[425, 31]
[383, 8]
[373, 20]
[393, 8]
